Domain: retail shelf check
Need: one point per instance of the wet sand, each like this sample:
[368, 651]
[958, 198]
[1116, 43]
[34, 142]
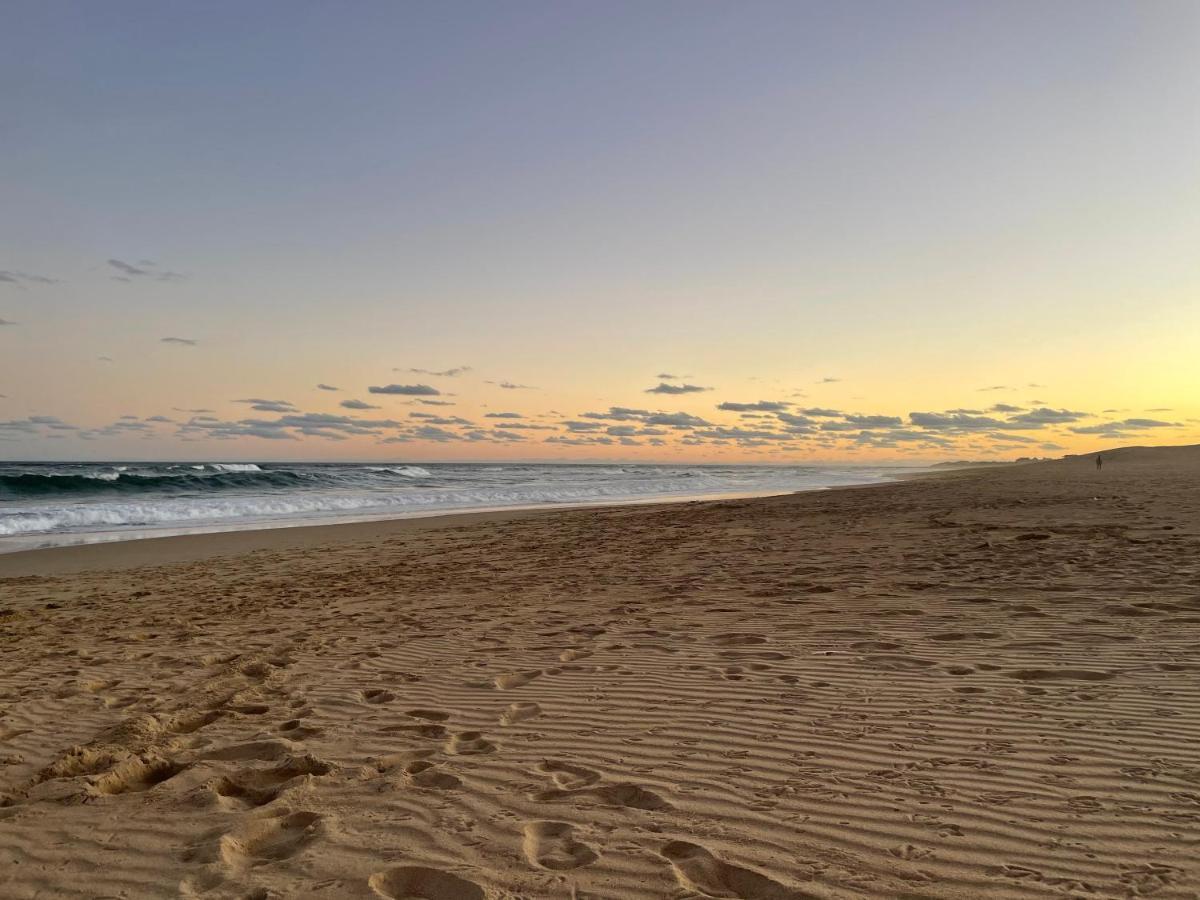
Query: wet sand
[981, 684]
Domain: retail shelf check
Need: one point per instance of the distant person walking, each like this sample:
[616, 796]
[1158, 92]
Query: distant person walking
[1099, 462]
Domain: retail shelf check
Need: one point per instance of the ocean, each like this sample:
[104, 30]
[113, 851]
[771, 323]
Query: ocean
[49, 504]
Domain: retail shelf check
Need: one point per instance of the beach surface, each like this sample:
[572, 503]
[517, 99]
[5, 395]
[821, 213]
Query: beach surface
[980, 684]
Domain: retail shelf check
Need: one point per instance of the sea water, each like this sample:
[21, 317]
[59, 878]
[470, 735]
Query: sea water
[45, 504]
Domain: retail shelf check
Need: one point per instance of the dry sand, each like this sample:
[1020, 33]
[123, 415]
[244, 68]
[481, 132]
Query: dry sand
[984, 684]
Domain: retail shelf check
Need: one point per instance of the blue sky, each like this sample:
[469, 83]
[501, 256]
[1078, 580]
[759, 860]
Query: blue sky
[919, 199]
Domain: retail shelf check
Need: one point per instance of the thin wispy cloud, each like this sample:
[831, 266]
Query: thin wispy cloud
[445, 373]
[758, 406]
[146, 270]
[406, 390]
[665, 388]
[23, 278]
[511, 386]
[1122, 426]
[327, 387]
[186, 342]
[6, 322]
[281, 406]
[356, 404]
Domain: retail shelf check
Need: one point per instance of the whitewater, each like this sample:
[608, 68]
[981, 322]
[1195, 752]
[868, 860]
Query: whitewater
[47, 504]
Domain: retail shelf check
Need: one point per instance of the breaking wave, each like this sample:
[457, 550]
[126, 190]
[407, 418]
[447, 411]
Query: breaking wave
[89, 499]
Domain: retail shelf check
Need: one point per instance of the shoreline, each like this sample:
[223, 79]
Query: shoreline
[119, 552]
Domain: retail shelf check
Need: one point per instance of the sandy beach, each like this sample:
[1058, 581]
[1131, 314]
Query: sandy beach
[980, 684]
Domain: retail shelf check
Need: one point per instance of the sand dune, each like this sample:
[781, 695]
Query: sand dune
[984, 684]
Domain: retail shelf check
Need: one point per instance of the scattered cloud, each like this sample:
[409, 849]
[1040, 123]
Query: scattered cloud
[187, 342]
[664, 388]
[821, 412]
[36, 425]
[1042, 415]
[995, 387]
[618, 414]
[146, 269]
[23, 278]
[743, 435]
[759, 406]
[956, 422]
[828, 380]
[327, 387]
[407, 390]
[6, 322]
[874, 421]
[434, 433]
[356, 404]
[1116, 428]
[280, 406]
[675, 420]
[445, 373]
[510, 386]
[503, 415]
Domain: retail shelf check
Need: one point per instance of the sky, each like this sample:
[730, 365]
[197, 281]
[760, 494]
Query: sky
[659, 231]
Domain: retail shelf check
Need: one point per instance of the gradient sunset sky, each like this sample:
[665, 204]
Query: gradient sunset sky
[648, 231]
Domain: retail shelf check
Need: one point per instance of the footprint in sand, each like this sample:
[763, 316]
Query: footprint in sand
[426, 731]
[518, 712]
[736, 640]
[296, 730]
[469, 742]
[753, 654]
[698, 870]
[429, 715]
[260, 787]
[625, 794]
[897, 662]
[378, 696]
[423, 773]
[964, 636]
[251, 709]
[272, 838]
[552, 845]
[512, 680]
[187, 723]
[422, 883]
[265, 750]
[1059, 675]
[568, 776]
[137, 775]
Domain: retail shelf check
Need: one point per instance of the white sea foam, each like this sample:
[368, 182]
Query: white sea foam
[406, 471]
[298, 494]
